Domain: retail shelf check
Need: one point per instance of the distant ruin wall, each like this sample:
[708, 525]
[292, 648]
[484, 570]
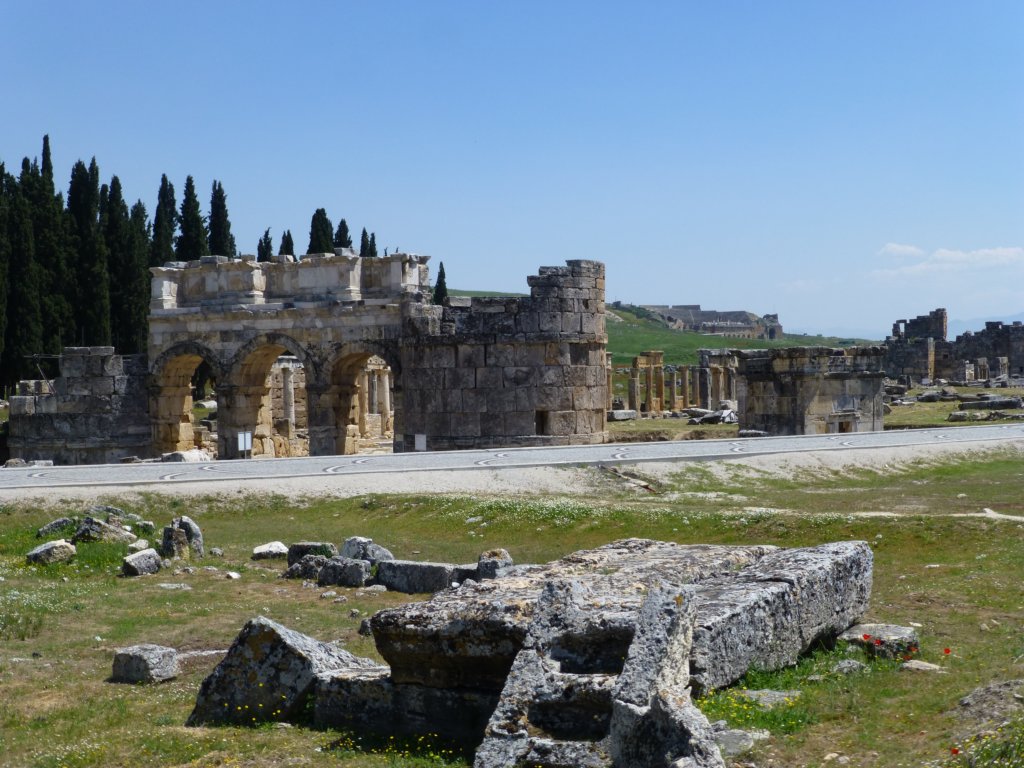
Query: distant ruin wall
[492, 372]
[94, 412]
[811, 390]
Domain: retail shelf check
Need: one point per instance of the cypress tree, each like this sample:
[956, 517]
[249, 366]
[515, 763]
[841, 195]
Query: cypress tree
[23, 335]
[287, 245]
[222, 242]
[128, 294]
[53, 253]
[440, 287]
[321, 237]
[364, 243]
[373, 244]
[5, 258]
[137, 313]
[91, 270]
[192, 243]
[165, 223]
[342, 238]
[265, 247]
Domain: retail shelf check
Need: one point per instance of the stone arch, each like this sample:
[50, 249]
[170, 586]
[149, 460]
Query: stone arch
[362, 398]
[170, 394]
[248, 406]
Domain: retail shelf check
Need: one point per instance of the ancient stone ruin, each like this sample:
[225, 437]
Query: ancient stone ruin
[591, 660]
[811, 390]
[324, 354]
[735, 323]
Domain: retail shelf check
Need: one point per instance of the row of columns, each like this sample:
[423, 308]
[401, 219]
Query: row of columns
[652, 389]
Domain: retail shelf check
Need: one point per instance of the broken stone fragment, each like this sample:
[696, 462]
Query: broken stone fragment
[300, 549]
[193, 534]
[92, 529]
[361, 548]
[141, 563]
[174, 544]
[344, 572]
[267, 674]
[414, 577]
[884, 641]
[55, 526]
[146, 663]
[59, 551]
[274, 550]
[308, 567]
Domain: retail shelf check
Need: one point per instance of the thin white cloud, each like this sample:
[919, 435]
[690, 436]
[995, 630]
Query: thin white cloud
[948, 260]
[901, 250]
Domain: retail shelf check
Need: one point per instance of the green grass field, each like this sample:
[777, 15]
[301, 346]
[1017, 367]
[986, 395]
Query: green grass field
[957, 577]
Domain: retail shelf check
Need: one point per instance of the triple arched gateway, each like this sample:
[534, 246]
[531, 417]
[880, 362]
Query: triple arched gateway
[477, 372]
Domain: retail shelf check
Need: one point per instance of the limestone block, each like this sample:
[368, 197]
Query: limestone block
[460, 378]
[490, 378]
[466, 425]
[344, 572]
[518, 376]
[413, 577]
[267, 674]
[59, 551]
[146, 663]
[147, 561]
[471, 355]
[549, 322]
[300, 549]
[22, 406]
[92, 529]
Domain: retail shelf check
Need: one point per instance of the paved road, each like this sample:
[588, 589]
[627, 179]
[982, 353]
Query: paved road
[161, 474]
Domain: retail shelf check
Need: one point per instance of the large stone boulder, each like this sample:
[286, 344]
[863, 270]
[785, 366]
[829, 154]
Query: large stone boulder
[174, 544]
[306, 568]
[414, 577]
[300, 549]
[92, 529]
[273, 550]
[360, 548]
[142, 563]
[267, 675]
[344, 572]
[59, 551]
[146, 663]
[192, 532]
[59, 525]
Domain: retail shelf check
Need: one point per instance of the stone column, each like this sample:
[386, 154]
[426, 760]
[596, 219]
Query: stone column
[384, 395]
[371, 395]
[634, 390]
[659, 385]
[671, 404]
[321, 419]
[685, 382]
[288, 396]
[649, 387]
[362, 387]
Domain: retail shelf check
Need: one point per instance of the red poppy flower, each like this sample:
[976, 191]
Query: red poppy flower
[954, 751]
[946, 651]
[866, 637]
[878, 641]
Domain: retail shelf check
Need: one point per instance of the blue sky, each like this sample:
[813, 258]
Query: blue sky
[842, 164]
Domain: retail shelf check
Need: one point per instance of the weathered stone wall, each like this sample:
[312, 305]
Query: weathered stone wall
[934, 325]
[811, 390]
[995, 341]
[734, 323]
[490, 372]
[94, 412]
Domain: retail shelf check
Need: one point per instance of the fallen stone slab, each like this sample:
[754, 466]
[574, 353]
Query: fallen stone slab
[413, 577]
[138, 545]
[300, 549]
[268, 674]
[146, 663]
[143, 563]
[768, 699]
[59, 551]
[92, 529]
[344, 572]
[273, 550]
[192, 456]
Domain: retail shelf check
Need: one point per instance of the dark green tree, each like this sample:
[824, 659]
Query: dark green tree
[364, 243]
[342, 238]
[440, 287]
[126, 236]
[287, 245]
[5, 259]
[321, 237]
[373, 244]
[92, 301]
[165, 224]
[53, 254]
[222, 242]
[265, 247]
[23, 335]
[193, 242]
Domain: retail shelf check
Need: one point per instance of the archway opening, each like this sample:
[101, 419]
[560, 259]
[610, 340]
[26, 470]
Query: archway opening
[177, 384]
[364, 404]
[266, 412]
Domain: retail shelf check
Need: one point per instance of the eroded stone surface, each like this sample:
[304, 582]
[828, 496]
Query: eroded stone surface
[300, 549]
[147, 561]
[92, 529]
[344, 572]
[274, 550]
[267, 674]
[413, 577]
[361, 548]
[59, 551]
[146, 663]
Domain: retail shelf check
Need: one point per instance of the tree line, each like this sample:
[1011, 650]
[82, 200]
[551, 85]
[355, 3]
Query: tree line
[75, 271]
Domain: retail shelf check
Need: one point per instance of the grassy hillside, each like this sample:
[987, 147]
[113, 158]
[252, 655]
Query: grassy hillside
[638, 333]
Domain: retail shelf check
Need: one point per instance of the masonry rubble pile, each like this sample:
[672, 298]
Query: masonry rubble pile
[590, 660]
